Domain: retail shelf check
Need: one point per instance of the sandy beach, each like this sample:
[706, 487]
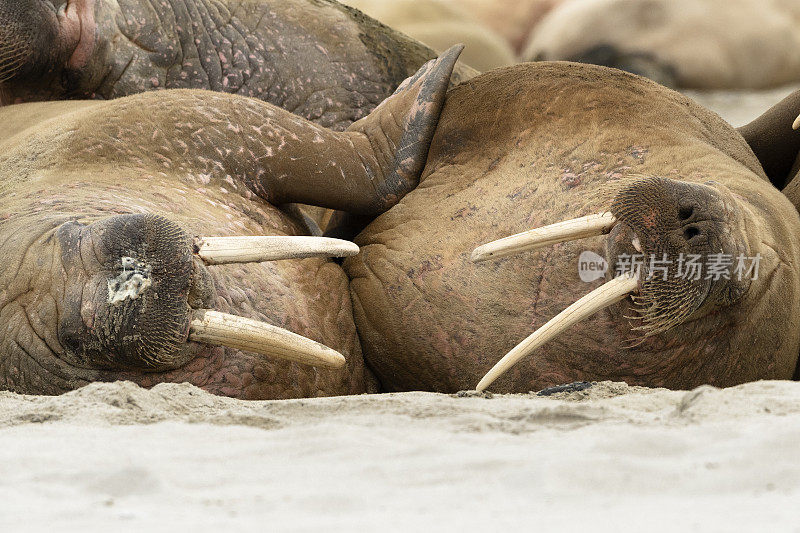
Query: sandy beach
[117, 457]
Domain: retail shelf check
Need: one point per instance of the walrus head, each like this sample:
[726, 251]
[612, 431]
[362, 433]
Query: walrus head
[680, 252]
[133, 293]
[43, 43]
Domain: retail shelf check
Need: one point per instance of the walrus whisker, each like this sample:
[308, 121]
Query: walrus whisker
[227, 250]
[9, 55]
[568, 230]
[16, 54]
[215, 328]
[8, 69]
[600, 298]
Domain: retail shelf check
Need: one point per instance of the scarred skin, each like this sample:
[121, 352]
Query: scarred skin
[214, 165]
[557, 144]
[316, 58]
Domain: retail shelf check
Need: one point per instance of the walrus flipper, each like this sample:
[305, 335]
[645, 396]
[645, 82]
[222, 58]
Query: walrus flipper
[400, 131]
[278, 156]
[775, 142]
[369, 168]
[402, 127]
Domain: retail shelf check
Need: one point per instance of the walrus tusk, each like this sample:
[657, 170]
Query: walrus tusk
[568, 230]
[212, 327]
[796, 123]
[603, 296]
[225, 250]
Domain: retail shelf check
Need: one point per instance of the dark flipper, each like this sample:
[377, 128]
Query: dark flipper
[402, 127]
[369, 168]
[401, 130]
[279, 156]
[774, 142]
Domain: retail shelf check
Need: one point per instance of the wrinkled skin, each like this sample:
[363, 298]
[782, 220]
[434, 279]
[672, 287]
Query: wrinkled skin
[563, 141]
[316, 58]
[70, 180]
[92, 192]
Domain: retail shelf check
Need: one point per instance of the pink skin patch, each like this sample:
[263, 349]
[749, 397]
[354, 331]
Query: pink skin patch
[77, 28]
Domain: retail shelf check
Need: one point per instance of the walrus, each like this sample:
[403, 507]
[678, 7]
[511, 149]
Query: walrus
[316, 58]
[134, 233]
[514, 20]
[441, 25]
[700, 44]
[624, 167]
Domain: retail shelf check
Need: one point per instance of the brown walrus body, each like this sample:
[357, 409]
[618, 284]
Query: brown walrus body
[560, 141]
[82, 184]
[102, 205]
[316, 58]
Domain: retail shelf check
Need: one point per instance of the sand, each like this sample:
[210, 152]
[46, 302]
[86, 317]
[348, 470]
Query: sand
[115, 457]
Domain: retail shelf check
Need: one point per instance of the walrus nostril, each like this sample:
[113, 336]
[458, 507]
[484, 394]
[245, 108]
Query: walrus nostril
[685, 213]
[691, 232]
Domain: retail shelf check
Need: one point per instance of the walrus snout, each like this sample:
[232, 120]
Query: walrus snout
[139, 295]
[42, 42]
[672, 247]
[673, 216]
[19, 30]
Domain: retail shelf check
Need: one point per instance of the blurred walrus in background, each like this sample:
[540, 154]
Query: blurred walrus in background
[134, 233]
[702, 44]
[661, 177]
[440, 25]
[514, 20]
[316, 58]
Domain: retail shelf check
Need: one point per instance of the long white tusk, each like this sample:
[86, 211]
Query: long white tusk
[603, 296]
[568, 230]
[224, 250]
[212, 327]
[796, 123]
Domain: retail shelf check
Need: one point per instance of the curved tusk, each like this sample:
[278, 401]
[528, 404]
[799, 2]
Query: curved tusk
[796, 123]
[568, 230]
[603, 296]
[212, 327]
[225, 250]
